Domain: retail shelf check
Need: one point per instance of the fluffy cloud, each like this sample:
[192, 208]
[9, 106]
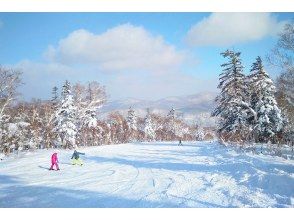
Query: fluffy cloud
[39, 79]
[122, 48]
[142, 65]
[226, 29]
[151, 87]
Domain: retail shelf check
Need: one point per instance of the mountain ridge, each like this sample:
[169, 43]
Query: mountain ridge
[188, 107]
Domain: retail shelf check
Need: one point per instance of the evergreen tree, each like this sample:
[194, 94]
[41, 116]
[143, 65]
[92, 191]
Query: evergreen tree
[200, 134]
[90, 119]
[55, 102]
[66, 118]
[172, 114]
[232, 104]
[132, 119]
[52, 138]
[170, 125]
[132, 124]
[88, 100]
[148, 127]
[55, 97]
[269, 118]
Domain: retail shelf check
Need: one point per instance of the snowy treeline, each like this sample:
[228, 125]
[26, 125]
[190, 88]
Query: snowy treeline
[65, 121]
[71, 119]
[247, 106]
[152, 127]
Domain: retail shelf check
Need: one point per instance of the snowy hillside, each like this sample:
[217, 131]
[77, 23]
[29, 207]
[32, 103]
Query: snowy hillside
[190, 108]
[199, 174]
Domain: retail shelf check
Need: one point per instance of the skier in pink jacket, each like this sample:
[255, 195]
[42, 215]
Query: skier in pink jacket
[54, 161]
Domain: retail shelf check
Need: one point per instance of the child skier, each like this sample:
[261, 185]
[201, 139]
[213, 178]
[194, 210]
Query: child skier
[54, 161]
[75, 159]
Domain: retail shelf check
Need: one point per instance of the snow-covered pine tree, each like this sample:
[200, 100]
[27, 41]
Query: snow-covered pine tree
[55, 98]
[66, 118]
[232, 104]
[132, 119]
[88, 100]
[148, 127]
[269, 117]
[52, 137]
[132, 124]
[172, 114]
[200, 134]
[170, 125]
[54, 104]
[92, 104]
[252, 100]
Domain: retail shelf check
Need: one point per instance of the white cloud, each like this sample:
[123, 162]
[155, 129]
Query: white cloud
[142, 65]
[226, 29]
[39, 79]
[150, 87]
[122, 48]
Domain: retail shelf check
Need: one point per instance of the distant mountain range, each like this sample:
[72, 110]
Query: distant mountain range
[192, 108]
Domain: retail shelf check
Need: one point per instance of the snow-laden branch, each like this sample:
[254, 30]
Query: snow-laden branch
[246, 105]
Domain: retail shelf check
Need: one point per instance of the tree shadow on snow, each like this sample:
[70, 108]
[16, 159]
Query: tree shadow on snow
[6, 180]
[269, 177]
[15, 193]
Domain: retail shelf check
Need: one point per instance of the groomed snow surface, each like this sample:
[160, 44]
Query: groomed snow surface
[198, 174]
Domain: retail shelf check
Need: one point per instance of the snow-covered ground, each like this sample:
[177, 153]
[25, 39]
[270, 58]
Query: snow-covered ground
[198, 174]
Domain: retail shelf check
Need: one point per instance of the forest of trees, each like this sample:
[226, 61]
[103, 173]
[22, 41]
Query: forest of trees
[71, 119]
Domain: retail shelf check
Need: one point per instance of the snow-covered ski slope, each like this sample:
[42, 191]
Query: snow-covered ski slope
[198, 174]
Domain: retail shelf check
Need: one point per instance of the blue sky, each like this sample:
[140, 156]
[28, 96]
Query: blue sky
[141, 55]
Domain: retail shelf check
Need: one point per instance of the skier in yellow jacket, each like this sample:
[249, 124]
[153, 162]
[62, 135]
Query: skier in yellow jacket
[75, 159]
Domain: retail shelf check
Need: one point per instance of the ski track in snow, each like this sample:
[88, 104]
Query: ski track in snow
[160, 174]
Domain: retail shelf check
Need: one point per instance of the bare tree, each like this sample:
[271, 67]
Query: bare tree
[10, 80]
[281, 57]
